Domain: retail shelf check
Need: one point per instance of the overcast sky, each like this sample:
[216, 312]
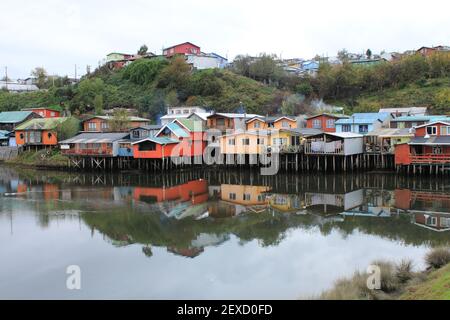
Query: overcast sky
[57, 34]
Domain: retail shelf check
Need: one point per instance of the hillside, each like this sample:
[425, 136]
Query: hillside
[432, 93]
[150, 86]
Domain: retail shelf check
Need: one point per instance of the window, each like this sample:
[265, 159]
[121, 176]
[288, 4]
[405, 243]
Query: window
[432, 131]
[346, 128]
[437, 150]
[232, 196]
[260, 198]
[260, 141]
[285, 124]
[92, 126]
[186, 111]
[49, 135]
[246, 197]
[363, 128]
[330, 123]
[220, 122]
[147, 146]
[136, 134]
[445, 131]
[431, 221]
[279, 141]
[105, 125]
[317, 124]
[246, 142]
[52, 114]
[445, 222]
[257, 125]
[231, 142]
[178, 111]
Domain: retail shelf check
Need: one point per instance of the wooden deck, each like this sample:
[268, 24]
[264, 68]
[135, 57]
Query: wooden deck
[430, 159]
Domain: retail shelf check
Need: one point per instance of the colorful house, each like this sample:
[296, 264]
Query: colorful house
[4, 138]
[39, 132]
[384, 140]
[276, 123]
[95, 144]
[182, 49]
[143, 132]
[339, 143]
[48, 112]
[9, 120]
[252, 197]
[363, 123]
[104, 123]
[324, 121]
[245, 142]
[180, 138]
[430, 145]
[229, 121]
[414, 121]
[404, 112]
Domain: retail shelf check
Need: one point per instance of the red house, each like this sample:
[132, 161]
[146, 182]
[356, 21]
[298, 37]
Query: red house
[182, 48]
[180, 138]
[430, 145]
[324, 122]
[45, 112]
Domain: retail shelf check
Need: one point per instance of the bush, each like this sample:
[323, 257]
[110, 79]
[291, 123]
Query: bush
[403, 271]
[438, 258]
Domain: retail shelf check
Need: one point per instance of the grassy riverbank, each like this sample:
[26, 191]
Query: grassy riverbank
[399, 281]
[52, 159]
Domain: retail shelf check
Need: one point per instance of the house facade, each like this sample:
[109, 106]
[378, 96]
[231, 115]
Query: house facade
[103, 123]
[182, 48]
[363, 123]
[39, 132]
[325, 122]
[9, 120]
[45, 112]
[97, 144]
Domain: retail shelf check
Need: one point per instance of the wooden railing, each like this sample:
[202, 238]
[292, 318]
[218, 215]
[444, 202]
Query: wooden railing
[88, 152]
[324, 148]
[430, 158]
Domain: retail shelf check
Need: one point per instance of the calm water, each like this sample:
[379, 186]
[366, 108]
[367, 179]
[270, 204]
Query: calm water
[208, 234]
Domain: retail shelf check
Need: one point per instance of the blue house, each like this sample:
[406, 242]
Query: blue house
[364, 123]
[223, 62]
[310, 67]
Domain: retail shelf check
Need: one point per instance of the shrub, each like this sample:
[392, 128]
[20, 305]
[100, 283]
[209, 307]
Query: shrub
[403, 271]
[438, 258]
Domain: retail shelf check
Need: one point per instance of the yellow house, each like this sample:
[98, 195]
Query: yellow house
[244, 142]
[269, 123]
[286, 202]
[244, 195]
[285, 141]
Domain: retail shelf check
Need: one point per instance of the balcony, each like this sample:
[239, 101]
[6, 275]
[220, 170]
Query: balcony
[321, 147]
[430, 159]
[87, 152]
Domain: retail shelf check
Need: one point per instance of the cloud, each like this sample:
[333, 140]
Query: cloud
[59, 34]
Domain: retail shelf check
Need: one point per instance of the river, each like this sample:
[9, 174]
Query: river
[208, 234]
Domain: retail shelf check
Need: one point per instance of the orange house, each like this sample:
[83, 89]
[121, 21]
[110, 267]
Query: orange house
[282, 122]
[45, 112]
[324, 122]
[103, 123]
[430, 145]
[38, 132]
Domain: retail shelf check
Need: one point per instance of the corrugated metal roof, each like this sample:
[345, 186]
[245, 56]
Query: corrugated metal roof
[191, 125]
[364, 118]
[14, 116]
[96, 137]
[410, 110]
[130, 118]
[391, 132]
[41, 124]
[158, 140]
[433, 140]
[176, 129]
[419, 118]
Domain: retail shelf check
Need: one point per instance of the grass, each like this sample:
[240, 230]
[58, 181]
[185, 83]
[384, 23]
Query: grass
[42, 158]
[398, 281]
[436, 287]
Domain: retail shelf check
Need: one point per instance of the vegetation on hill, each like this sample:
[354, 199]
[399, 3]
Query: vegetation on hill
[258, 84]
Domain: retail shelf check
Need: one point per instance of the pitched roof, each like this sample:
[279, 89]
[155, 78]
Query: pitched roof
[130, 118]
[391, 132]
[419, 118]
[434, 122]
[191, 125]
[235, 115]
[410, 110]
[148, 127]
[14, 116]
[4, 134]
[41, 124]
[433, 140]
[96, 137]
[158, 140]
[176, 129]
[52, 108]
[331, 115]
[365, 118]
[180, 45]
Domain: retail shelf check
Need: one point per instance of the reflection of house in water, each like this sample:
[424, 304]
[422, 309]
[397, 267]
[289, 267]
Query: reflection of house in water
[287, 203]
[186, 252]
[329, 203]
[376, 203]
[251, 198]
[188, 199]
[428, 209]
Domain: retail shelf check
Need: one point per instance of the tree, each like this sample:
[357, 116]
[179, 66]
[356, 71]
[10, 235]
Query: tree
[98, 104]
[120, 121]
[68, 128]
[291, 104]
[343, 55]
[144, 71]
[41, 76]
[442, 100]
[142, 50]
[172, 99]
[369, 53]
[175, 75]
[304, 88]
[86, 92]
